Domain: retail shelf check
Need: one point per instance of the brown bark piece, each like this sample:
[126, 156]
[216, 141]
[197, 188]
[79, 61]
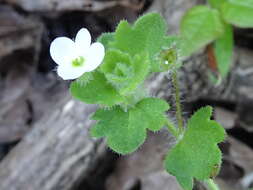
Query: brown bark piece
[55, 154]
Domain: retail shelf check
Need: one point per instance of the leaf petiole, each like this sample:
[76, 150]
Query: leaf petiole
[180, 121]
[211, 185]
[172, 129]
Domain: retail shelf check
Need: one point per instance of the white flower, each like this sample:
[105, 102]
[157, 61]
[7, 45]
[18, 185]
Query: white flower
[76, 57]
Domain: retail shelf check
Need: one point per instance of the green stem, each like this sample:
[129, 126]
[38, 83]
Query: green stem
[172, 129]
[177, 100]
[211, 185]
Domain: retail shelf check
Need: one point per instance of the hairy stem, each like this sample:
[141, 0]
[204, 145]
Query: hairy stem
[177, 100]
[211, 185]
[172, 129]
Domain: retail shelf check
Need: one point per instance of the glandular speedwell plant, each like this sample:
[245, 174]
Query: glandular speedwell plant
[111, 73]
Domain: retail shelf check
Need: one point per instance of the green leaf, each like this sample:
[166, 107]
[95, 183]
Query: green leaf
[200, 26]
[223, 50]
[126, 73]
[216, 3]
[148, 34]
[106, 39]
[93, 88]
[238, 12]
[126, 131]
[197, 154]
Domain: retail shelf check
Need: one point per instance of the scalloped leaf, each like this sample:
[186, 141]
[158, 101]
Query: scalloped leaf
[106, 39]
[93, 88]
[147, 35]
[199, 26]
[126, 131]
[124, 72]
[197, 154]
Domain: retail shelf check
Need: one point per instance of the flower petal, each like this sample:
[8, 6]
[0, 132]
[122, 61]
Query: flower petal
[95, 56]
[83, 41]
[68, 72]
[62, 50]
